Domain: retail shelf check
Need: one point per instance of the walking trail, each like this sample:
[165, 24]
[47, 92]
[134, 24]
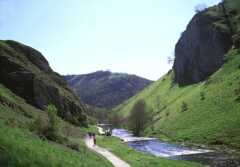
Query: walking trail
[117, 162]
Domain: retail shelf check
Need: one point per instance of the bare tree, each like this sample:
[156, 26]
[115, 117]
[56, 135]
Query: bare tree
[138, 117]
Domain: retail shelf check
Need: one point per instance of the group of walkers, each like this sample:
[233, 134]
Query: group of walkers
[93, 137]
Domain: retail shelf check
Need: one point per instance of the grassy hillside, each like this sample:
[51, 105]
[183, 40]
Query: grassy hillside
[207, 112]
[20, 145]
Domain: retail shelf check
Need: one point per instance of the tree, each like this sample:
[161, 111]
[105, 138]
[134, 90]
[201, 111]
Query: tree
[138, 117]
[53, 118]
[115, 119]
[48, 128]
[227, 17]
[52, 132]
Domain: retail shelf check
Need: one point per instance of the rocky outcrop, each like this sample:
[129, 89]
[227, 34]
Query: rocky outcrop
[27, 73]
[201, 49]
[105, 89]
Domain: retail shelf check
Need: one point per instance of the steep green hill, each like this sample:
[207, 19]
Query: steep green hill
[207, 112]
[27, 73]
[212, 112]
[21, 146]
[105, 89]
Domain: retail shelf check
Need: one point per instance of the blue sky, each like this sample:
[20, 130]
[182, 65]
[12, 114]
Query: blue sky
[82, 36]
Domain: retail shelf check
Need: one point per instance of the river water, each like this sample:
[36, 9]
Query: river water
[177, 152]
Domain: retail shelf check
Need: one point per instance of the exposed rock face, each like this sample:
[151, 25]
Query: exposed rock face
[105, 89]
[27, 73]
[200, 50]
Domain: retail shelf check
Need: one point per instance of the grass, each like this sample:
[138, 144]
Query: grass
[21, 147]
[138, 159]
[6, 93]
[213, 107]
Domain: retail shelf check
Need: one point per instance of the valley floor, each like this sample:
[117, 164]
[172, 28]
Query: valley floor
[21, 145]
[138, 159]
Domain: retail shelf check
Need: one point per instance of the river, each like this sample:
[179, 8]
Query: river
[177, 152]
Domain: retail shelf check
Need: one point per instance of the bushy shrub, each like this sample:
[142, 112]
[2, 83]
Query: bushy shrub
[167, 113]
[73, 146]
[202, 95]
[236, 40]
[53, 118]
[39, 126]
[53, 131]
[208, 81]
[138, 117]
[48, 128]
[184, 107]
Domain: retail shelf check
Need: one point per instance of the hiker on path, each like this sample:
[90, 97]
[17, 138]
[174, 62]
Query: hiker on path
[90, 135]
[94, 139]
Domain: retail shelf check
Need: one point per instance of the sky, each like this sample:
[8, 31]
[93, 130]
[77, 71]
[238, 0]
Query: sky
[83, 36]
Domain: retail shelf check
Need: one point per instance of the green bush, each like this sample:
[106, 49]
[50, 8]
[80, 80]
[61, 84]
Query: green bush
[49, 128]
[202, 95]
[53, 118]
[39, 126]
[53, 130]
[184, 107]
[167, 113]
[73, 146]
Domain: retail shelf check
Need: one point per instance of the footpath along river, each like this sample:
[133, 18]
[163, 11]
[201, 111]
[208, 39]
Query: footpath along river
[177, 152]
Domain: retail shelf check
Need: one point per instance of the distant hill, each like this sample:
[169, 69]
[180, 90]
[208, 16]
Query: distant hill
[105, 89]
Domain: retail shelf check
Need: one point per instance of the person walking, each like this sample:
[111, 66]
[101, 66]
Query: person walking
[94, 139]
[90, 135]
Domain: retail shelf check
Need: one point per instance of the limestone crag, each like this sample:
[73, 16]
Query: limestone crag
[201, 49]
[27, 73]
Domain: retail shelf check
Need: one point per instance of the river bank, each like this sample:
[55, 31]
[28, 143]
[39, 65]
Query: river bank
[139, 159]
[203, 155]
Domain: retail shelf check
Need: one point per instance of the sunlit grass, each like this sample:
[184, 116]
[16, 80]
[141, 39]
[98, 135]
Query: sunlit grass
[138, 159]
[21, 147]
[213, 107]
